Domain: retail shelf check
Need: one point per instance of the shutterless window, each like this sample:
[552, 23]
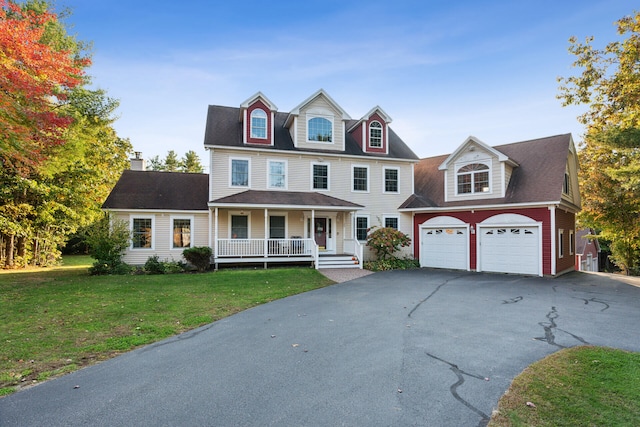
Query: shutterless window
[239, 173]
[141, 233]
[258, 124]
[560, 243]
[391, 222]
[181, 233]
[239, 227]
[473, 178]
[391, 180]
[362, 224]
[320, 177]
[320, 129]
[360, 179]
[375, 134]
[277, 175]
[276, 227]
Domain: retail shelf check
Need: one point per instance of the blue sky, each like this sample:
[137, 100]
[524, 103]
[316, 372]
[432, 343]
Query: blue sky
[443, 70]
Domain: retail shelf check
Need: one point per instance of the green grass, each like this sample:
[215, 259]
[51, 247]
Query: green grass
[57, 320]
[580, 386]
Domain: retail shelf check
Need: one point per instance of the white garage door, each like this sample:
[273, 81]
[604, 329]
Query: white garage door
[510, 249]
[444, 248]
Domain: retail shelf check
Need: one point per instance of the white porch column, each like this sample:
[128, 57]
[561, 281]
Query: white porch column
[313, 225]
[266, 231]
[215, 232]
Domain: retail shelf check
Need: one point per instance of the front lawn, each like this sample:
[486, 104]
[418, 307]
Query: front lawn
[580, 386]
[57, 320]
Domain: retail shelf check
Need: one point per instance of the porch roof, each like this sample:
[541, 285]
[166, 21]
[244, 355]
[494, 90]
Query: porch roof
[284, 199]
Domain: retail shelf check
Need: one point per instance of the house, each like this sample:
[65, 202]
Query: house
[587, 251]
[509, 208]
[306, 185]
[296, 186]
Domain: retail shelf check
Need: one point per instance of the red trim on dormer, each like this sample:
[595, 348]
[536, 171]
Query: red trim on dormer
[378, 150]
[247, 125]
[356, 132]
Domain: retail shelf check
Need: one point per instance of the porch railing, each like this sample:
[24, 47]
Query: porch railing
[354, 247]
[241, 248]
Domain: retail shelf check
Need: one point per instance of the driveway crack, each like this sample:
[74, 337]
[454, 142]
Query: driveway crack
[454, 387]
[431, 294]
[586, 302]
[551, 326]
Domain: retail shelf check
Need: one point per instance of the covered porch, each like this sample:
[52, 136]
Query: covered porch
[284, 227]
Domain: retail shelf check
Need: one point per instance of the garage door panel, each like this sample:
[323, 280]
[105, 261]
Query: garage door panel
[444, 248]
[510, 250]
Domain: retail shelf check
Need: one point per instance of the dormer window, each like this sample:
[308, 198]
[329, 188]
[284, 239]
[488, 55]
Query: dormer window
[473, 178]
[375, 134]
[566, 188]
[258, 124]
[320, 129]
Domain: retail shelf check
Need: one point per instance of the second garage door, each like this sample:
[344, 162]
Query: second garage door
[444, 248]
[510, 250]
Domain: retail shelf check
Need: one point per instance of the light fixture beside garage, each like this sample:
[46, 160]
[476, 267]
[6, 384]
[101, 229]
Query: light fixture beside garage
[472, 230]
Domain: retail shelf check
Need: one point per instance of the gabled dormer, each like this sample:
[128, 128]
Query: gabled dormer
[257, 117]
[372, 131]
[570, 189]
[476, 171]
[318, 123]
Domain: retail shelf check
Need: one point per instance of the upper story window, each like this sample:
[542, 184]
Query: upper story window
[277, 174]
[258, 124]
[320, 177]
[320, 129]
[360, 178]
[391, 180]
[375, 134]
[239, 173]
[565, 184]
[473, 178]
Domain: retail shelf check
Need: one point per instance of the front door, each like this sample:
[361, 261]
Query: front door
[320, 232]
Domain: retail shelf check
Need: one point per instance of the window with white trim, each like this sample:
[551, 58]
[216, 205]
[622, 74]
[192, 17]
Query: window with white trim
[391, 222]
[181, 233]
[360, 178]
[142, 233]
[361, 227]
[277, 174]
[277, 227]
[239, 173]
[566, 188]
[320, 176]
[560, 243]
[258, 124]
[391, 180]
[473, 178]
[239, 227]
[375, 134]
[572, 243]
[319, 129]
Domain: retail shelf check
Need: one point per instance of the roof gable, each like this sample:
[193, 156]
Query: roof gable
[472, 144]
[259, 96]
[319, 93]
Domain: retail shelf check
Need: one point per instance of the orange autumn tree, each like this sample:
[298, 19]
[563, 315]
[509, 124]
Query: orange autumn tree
[36, 76]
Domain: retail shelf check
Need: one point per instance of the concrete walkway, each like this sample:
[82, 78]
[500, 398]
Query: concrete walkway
[401, 348]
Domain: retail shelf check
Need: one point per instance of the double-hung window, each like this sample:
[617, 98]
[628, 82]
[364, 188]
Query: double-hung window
[391, 222]
[360, 178]
[277, 228]
[142, 233]
[361, 226]
[391, 180]
[239, 227]
[375, 134]
[258, 124]
[181, 233]
[473, 178]
[277, 174]
[320, 177]
[239, 173]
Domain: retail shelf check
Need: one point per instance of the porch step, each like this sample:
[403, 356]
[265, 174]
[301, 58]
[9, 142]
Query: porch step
[338, 261]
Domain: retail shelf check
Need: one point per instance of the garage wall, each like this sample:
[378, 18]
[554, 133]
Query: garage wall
[473, 218]
[567, 222]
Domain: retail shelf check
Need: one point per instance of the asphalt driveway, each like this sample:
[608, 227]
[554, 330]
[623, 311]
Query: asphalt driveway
[403, 348]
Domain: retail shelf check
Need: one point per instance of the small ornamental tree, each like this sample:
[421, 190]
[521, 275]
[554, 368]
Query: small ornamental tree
[385, 241]
[107, 239]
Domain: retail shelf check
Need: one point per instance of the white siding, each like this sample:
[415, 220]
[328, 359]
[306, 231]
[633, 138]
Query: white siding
[162, 239]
